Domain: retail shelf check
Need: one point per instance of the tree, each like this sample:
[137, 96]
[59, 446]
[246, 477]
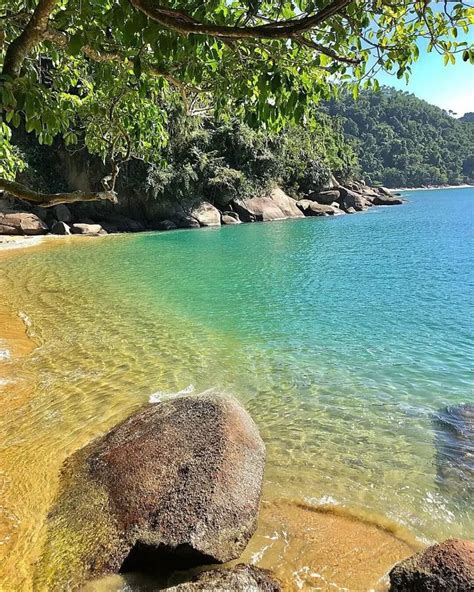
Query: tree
[99, 73]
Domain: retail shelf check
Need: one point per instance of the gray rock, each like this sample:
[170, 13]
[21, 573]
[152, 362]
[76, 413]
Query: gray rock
[62, 213]
[381, 200]
[230, 218]
[446, 567]
[123, 223]
[206, 214]
[351, 199]
[285, 203]
[325, 197]
[241, 578]
[166, 225]
[60, 228]
[19, 223]
[185, 221]
[276, 206]
[313, 208]
[109, 227]
[178, 482]
[384, 191]
[82, 228]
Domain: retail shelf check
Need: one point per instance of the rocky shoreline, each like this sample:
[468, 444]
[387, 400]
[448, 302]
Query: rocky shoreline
[65, 220]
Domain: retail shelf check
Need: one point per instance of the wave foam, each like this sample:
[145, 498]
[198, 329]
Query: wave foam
[160, 396]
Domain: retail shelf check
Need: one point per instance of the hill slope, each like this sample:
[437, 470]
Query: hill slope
[402, 141]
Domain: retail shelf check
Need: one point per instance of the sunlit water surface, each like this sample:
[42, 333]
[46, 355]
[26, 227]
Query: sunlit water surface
[342, 337]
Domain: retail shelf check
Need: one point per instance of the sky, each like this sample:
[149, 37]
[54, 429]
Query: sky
[450, 87]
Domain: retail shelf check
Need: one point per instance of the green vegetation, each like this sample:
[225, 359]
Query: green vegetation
[402, 141]
[104, 74]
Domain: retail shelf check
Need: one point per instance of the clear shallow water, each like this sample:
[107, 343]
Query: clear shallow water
[342, 336]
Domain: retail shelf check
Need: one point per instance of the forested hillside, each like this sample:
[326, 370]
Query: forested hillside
[388, 137]
[402, 141]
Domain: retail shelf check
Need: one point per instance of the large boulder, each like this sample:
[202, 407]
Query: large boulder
[60, 228]
[18, 223]
[384, 200]
[62, 213]
[176, 484]
[206, 214]
[313, 208]
[285, 203]
[351, 199]
[325, 197]
[83, 228]
[446, 567]
[241, 578]
[384, 191]
[183, 220]
[121, 223]
[229, 218]
[276, 206]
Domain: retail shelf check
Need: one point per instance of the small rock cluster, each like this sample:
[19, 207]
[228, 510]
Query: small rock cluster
[338, 199]
[346, 200]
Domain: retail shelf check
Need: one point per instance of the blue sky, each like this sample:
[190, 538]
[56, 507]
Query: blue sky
[450, 87]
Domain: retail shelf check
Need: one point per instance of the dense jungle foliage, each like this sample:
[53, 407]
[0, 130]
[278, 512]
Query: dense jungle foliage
[387, 137]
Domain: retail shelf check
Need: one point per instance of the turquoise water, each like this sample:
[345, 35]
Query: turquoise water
[343, 336]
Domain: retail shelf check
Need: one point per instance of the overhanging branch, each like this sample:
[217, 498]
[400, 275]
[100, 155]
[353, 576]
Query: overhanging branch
[182, 23]
[47, 200]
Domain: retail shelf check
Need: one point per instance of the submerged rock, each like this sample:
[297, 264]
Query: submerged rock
[175, 485]
[241, 578]
[454, 441]
[447, 567]
[18, 223]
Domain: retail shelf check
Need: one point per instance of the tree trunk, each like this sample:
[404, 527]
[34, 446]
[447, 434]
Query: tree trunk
[47, 200]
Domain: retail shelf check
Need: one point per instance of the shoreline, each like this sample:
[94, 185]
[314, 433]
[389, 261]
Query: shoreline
[432, 187]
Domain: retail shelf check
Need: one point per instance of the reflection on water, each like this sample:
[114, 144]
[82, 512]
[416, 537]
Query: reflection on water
[336, 334]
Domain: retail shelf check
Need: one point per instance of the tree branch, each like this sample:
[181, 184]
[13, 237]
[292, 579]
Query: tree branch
[32, 34]
[61, 40]
[47, 200]
[327, 51]
[183, 23]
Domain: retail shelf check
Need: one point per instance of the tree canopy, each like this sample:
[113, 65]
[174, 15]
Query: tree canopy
[103, 73]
